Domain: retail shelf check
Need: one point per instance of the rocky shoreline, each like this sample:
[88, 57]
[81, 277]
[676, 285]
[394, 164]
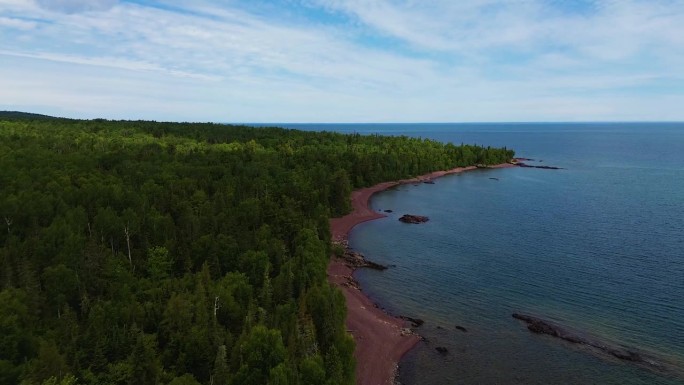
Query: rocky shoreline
[355, 260]
[381, 339]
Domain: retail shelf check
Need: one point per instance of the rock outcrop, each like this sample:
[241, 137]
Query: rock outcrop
[356, 260]
[521, 164]
[415, 219]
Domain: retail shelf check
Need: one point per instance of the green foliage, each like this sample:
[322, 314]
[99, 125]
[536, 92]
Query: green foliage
[159, 263]
[221, 372]
[258, 352]
[47, 365]
[186, 379]
[66, 380]
[144, 252]
[62, 283]
[312, 371]
[17, 343]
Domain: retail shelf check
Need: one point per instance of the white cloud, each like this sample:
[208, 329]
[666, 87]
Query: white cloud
[73, 6]
[612, 30]
[436, 61]
[112, 62]
[16, 23]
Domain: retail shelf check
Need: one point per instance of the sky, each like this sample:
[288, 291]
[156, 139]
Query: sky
[282, 61]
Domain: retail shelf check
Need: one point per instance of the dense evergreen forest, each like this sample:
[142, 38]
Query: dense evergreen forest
[137, 252]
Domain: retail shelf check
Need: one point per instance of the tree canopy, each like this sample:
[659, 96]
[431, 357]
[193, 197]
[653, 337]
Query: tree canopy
[138, 252]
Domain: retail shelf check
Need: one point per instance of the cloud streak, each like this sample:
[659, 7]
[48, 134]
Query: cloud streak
[353, 60]
[73, 6]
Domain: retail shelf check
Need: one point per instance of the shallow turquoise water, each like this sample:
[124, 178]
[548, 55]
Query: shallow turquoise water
[598, 246]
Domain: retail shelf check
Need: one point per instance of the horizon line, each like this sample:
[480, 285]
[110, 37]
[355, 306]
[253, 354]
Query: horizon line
[273, 124]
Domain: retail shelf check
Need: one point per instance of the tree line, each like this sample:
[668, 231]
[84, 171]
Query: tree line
[139, 252]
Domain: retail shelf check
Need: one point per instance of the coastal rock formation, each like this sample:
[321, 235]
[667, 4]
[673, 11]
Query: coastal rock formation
[415, 322]
[352, 283]
[540, 326]
[542, 167]
[356, 260]
[415, 219]
[520, 162]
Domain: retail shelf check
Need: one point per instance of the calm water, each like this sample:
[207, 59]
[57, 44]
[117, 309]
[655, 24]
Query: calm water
[598, 247]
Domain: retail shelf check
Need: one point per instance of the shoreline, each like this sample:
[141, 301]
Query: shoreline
[381, 339]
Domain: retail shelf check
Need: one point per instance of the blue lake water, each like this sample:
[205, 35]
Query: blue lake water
[598, 246]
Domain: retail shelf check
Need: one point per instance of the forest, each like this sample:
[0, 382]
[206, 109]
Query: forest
[141, 252]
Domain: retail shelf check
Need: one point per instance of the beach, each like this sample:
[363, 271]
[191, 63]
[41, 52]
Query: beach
[381, 339]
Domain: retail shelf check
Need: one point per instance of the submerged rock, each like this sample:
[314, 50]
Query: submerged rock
[415, 322]
[540, 326]
[442, 350]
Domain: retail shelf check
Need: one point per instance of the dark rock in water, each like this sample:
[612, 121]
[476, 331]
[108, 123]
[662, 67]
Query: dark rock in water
[415, 322]
[375, 266]
[626, 355]
[388, 211]
[355, 260]
[525, 165]
[442, 350]
[540, 326]
[461, 328]
[494, 178]
[428, 182]
[415, 219]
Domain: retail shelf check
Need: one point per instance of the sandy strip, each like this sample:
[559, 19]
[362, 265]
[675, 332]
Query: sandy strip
[381, 339]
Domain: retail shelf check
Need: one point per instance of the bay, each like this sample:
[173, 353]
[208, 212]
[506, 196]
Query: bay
[597, 246]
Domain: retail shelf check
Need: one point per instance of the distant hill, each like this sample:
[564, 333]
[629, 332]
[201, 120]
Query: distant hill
[23, 115]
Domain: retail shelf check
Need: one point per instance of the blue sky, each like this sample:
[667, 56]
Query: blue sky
[344, 60]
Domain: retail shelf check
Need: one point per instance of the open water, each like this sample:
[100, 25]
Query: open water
[597, 246]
